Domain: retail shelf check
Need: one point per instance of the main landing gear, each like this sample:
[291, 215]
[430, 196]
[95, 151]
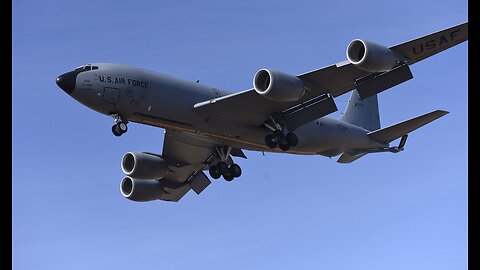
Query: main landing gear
[229, 172]
[278, 137]
[120, 126]
[283, 141]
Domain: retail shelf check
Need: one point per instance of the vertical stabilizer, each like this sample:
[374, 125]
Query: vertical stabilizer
[362, 113]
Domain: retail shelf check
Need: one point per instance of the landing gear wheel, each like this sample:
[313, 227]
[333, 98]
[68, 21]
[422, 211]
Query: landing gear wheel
[223, 168]
[228, 177]
[270, 141]
[235, 170]
[122, 127]
[115, 132]
[291, 139]
[214, 172]
[278, 136]
[284, 146]
[119, 128]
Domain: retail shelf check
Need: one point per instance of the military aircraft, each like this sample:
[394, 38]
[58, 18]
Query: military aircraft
[205, 127]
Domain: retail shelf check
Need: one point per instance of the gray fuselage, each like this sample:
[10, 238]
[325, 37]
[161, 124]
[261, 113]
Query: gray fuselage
[155, 99]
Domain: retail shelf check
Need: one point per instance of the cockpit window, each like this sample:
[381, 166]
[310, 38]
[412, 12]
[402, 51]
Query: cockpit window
[86, 67]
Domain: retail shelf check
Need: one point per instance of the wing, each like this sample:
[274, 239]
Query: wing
[421, 48]
[186, 154]
[249, 108]
[340, 78]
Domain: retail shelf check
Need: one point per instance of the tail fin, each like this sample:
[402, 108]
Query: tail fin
[362, 113]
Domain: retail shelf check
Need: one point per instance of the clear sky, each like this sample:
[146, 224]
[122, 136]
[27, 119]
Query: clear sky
[384, 211]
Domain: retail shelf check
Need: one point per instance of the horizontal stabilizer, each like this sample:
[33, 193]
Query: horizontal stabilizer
[391, 133]
[347, 158]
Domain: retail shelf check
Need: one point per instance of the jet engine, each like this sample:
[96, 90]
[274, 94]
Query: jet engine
[370, 56]
[144, 165]
[141, 190]
[278, 86]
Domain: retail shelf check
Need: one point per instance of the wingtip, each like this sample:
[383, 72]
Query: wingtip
[442, 112]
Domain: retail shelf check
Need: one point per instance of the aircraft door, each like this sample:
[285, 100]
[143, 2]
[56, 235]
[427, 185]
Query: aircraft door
[111, 95]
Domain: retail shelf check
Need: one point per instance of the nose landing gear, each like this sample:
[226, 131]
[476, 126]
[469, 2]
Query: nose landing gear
[120, 127]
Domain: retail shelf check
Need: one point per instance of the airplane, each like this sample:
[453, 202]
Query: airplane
[206, 127]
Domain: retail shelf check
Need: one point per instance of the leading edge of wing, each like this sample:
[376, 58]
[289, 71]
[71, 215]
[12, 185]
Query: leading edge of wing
[215, 100]
[235, 107]
[246, 107]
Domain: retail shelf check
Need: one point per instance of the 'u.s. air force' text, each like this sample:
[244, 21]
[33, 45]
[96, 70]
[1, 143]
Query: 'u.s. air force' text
[121, 80]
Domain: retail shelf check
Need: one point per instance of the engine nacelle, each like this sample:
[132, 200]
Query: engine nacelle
[278, 86]
[370, 56]
[144, 166]
[141, 190]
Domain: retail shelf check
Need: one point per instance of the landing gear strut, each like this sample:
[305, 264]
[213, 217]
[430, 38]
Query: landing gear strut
[278, 137]
[120, 126]
[229, 172]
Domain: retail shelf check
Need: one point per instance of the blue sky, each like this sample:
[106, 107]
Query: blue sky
[384, 211]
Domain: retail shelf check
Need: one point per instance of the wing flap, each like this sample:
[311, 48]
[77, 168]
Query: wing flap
[336, 79]
[376, 83]
[199, 181]
[309, 111]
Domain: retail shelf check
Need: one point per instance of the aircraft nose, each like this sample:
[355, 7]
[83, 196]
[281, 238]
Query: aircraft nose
[67, 81]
